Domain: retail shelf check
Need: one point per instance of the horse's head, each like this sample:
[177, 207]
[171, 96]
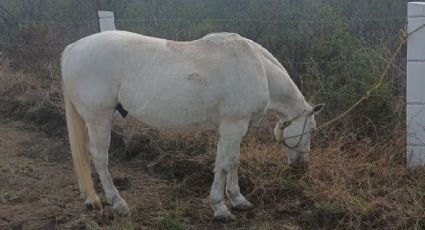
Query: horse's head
[296, 134]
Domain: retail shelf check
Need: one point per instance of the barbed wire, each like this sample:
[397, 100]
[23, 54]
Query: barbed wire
[86, 20]
[307, 21]
[275, 21]
[336, 62]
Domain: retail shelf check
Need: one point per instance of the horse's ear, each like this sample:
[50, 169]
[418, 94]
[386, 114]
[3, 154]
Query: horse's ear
[317, 108]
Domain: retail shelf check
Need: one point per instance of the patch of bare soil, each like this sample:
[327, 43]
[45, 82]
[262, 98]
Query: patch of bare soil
[38, 191]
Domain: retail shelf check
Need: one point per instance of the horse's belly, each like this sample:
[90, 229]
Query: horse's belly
[182, 115]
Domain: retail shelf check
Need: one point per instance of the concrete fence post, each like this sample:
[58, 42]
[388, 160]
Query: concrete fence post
[106, 20]
[415, 106]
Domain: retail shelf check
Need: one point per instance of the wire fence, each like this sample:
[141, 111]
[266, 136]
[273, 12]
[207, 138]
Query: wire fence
[365, 20]
[70, 31]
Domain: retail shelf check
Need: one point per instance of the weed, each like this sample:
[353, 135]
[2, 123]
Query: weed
[174, 220]
[326, 214]
[122, 223]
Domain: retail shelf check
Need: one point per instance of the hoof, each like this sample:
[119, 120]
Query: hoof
[239, 202]
[93, 204]
[224, 217]
[121, 208]
[246, 205]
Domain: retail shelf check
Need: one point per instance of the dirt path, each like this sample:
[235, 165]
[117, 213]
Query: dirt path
[36, 187]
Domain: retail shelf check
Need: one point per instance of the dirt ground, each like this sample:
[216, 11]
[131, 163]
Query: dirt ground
[38, 191]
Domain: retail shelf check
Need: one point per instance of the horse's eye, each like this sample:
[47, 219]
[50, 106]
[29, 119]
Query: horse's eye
[284, 125]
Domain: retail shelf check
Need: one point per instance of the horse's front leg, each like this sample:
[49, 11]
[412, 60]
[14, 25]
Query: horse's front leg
[228, 151]
[233, 192]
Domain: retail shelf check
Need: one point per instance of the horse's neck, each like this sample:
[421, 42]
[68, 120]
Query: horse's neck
[285, 97]
[295, 101]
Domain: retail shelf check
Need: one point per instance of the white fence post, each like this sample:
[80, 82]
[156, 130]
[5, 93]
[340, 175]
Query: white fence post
[415, 107]
[106, 20]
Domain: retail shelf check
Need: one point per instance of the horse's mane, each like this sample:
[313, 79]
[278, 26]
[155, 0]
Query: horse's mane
[266, 54]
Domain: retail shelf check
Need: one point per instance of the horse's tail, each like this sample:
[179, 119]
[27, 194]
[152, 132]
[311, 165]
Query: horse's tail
[78, 138]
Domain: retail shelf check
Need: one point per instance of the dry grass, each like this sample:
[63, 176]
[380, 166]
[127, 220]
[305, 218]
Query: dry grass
[356, 180]
[32, 97]
[29, 88]
[350, 185]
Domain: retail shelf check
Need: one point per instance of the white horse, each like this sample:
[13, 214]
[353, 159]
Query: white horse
[221, 81]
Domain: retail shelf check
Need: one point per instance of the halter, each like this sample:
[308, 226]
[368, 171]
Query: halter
[288, 123]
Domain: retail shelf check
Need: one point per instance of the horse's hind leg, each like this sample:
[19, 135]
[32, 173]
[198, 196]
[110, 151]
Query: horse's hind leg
[228, 151]
[100, 137]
